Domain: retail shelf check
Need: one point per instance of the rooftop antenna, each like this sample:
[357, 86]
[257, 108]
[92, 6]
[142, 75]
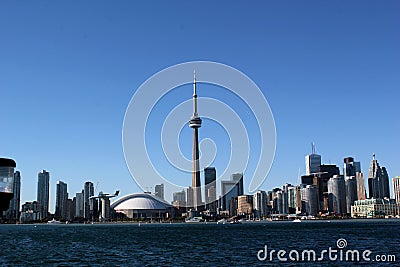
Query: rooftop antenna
[312, 148]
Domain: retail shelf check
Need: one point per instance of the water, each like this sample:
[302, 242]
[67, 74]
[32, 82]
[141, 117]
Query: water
[189, 244]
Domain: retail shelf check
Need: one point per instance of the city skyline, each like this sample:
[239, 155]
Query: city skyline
[343, 185]
[67, 91]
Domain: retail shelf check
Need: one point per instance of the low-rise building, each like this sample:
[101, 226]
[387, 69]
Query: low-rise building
[374, 208]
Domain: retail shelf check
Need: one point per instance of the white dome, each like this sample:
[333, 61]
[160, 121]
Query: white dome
[140, 201]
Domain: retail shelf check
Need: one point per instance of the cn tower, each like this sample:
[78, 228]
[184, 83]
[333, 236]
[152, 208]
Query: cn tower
[195, 123]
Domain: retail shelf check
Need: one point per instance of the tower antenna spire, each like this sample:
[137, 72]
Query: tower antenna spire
[194, 93]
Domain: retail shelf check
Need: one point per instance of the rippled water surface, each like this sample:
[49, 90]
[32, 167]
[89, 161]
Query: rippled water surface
[190, 244]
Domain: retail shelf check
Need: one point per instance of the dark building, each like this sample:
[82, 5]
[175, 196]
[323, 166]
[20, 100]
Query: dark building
[43, 192]
[320, 180]
[14, 212]
[210, 182]
[61, 200]
[7, 182]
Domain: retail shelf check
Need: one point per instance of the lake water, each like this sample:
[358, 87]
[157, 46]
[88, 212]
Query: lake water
[193, 244]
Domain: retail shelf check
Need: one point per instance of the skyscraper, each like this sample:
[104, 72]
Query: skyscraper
[337, 194]
[43, 192]
[396, 189]
[361, 192]
[351, 167]
[210, 179]
[238, 178]
[61, 200]
[260, 203]
[231, 189]
[195, 123]
[378, 180]
[88, 191]
[309, 199]
[159, 190]
[245, 204]
[79, 204]
[351, 192]
[13, 211]
[6, 183]
[313, 161]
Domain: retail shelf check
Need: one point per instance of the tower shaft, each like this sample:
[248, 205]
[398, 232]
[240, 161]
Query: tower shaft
[196, 185]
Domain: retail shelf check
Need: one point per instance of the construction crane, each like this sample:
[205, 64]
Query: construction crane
[105, 204]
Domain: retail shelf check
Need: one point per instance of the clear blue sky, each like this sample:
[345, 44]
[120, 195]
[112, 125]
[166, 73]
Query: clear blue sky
[329, 70]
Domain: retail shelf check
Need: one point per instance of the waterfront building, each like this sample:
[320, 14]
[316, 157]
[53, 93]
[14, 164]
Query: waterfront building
[245, 205]
[378, 180]
[143, 206]
[351, 192]
[233, 206]
[13, 212]
[313, 161]
[210, 180]
[79, 205]
[61, 200]
[31, 212]
[309, 198]
[88, 204]
[374, 208]
[43, 192]
[337, 194]
[70, 209]
[293, 197]
[6, 183]
[195, 124]
[159, 190]
[260, 204]
[278, 202]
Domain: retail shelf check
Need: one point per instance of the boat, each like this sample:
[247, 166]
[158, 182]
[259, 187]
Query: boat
[235, 222]
[222, 221]
[297, 221]
[54, 221]
[194, 220]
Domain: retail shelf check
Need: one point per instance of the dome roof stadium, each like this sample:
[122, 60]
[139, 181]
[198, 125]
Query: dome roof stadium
[140, 201]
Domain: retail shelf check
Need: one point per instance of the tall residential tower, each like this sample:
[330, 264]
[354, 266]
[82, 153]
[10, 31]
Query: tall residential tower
[43, 192]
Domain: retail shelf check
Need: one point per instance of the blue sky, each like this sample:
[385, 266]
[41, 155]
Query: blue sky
[329, 70]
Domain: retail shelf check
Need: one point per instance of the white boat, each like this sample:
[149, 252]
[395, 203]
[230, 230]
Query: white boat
[222, 221]
[297, 221]
[194, 220]
[54, 221]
